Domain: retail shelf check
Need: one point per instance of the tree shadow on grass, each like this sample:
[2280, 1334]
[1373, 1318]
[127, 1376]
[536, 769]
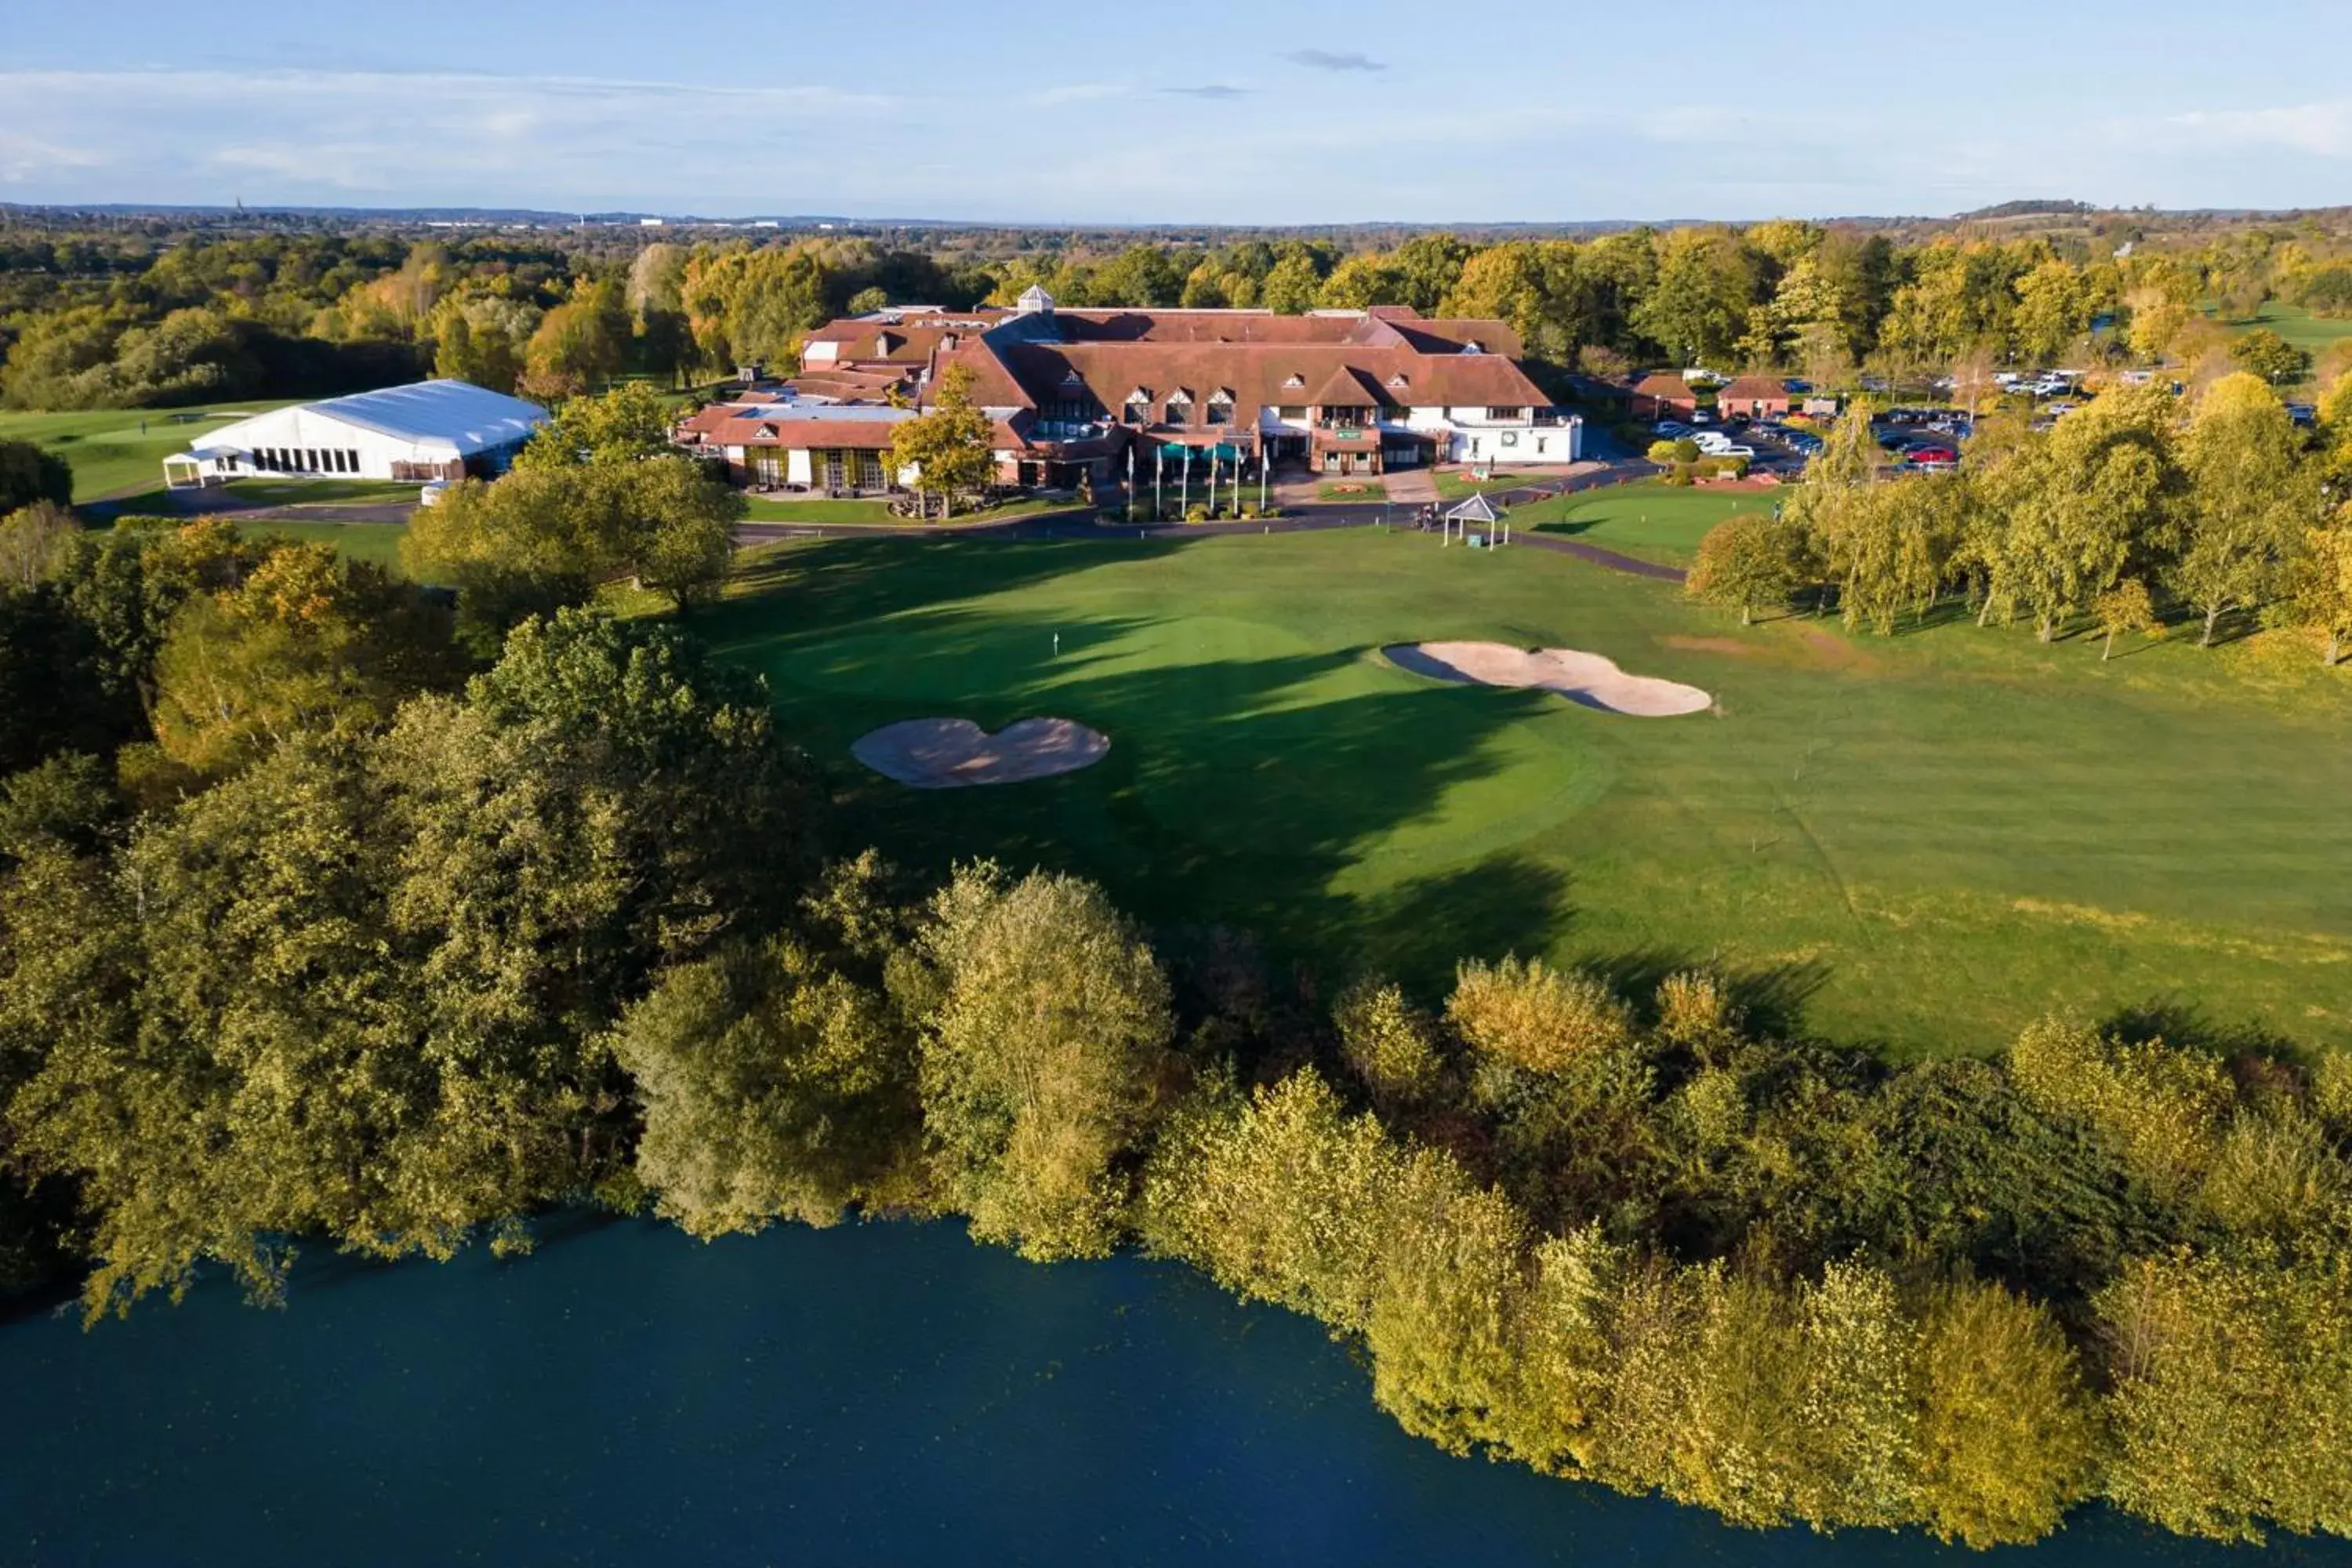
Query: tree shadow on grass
[2190, 1027]
[1353, 820]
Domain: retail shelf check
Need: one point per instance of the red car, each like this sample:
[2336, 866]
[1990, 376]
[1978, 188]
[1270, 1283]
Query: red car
[1923, 455]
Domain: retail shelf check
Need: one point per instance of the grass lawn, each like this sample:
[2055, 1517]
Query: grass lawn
[2314, 334]
[373, 541]
[110, 453]
[1372, 488]
[1651, 520]
[326, 493]
[1453, 484]
[1920, 842]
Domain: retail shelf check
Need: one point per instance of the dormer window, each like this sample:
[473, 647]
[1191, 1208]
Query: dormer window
[1293, 383]
[1179, 409]
[1221, 407]
[1398, 382]
[1137, 408]
[1474, 347]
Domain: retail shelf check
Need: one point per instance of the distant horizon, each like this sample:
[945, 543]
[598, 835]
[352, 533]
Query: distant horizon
[2027, 208]
[1240, 115]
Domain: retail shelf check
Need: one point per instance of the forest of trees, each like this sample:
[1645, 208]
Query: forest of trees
[2134, 510]
[115, 320]
[329, 917]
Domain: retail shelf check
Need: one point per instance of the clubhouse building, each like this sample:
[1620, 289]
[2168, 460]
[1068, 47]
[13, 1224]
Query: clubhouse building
[1098, 394]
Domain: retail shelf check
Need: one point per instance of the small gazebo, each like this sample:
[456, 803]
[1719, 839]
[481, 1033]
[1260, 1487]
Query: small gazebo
[1480, 510]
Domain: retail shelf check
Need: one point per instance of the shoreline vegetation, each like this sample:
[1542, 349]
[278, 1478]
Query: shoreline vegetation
[334, 913]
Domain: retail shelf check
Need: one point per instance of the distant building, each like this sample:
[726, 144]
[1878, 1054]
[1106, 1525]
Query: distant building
[1082, 392]
[431, 430]
[1753, 398]
[1665, 395]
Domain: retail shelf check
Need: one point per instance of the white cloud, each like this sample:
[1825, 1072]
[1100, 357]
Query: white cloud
[23, 157]
[409, 136]
[2322, 129]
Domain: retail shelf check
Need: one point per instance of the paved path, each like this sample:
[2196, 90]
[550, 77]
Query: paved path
[1412, 487]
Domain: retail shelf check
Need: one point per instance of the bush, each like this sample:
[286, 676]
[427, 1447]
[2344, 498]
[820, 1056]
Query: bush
[1197, 513]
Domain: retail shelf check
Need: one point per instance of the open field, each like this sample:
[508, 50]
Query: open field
[1651, 520]
[2315, 334]
[1920, 842]
[110, 454]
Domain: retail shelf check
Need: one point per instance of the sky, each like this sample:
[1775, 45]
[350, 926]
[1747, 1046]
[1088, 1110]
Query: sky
[1210, 112]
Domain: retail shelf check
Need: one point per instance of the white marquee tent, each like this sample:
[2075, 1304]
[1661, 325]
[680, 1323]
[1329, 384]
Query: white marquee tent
[432, 430]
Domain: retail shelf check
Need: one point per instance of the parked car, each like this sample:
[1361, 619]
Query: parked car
[1924, 455]
[1670, 429]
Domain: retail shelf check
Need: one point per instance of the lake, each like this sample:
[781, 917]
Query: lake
[875, 1393]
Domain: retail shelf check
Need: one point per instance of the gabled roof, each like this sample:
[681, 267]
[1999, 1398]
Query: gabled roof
[1478, 509]
[1346, 387]
[454, 413]
[1754, 387]
[1663, 384]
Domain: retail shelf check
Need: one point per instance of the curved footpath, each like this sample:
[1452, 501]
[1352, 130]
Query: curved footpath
[1079, 523]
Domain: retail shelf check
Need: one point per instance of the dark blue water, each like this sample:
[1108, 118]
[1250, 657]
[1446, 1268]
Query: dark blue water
[868, 1395]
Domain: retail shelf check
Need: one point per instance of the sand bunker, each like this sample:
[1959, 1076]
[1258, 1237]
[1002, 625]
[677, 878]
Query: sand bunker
[1586, 677]
[948, 754]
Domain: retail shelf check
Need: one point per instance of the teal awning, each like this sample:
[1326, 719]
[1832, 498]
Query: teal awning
[1174, 452]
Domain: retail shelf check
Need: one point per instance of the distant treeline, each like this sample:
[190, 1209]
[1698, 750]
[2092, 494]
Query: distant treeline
[120, 317]
[324, 919]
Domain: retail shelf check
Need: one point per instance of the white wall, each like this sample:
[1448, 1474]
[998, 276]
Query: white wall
[303, 432]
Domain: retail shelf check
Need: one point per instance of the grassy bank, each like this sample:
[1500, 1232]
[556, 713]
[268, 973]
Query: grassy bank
[1922, 841]
[1651, 520]
[118, 451]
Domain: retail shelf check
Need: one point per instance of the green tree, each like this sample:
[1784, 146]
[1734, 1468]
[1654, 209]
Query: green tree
[773, 1086]
[1388, 1041]
[1280, 1197]
[1542, 1018]
[308, 641]
[2075, 505]
[1292, 287]
[2320, 589]
[2251, 497]
[36, 542]
[1696, 309]
[2125, 610]
[1040, 1059]
[2264, 353]
[30, 474]
[2008, 1437]
[544, 536]
[1751, 562]
[947, 446]
[627, 424]
[2232, 1392]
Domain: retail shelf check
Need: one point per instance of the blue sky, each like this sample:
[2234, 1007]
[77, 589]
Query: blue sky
[1209, 112]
